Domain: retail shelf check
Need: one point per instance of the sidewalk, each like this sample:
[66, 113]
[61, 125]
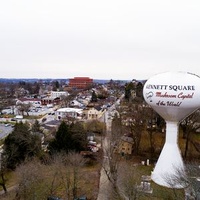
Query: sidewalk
[8, 190]
[104, 186]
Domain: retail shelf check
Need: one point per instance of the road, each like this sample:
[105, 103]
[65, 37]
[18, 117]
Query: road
[104, 183]
[5, 130]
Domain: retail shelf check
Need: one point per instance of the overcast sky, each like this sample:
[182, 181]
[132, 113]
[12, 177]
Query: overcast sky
[104, 39]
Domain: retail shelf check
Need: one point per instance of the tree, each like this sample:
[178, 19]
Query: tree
[139, 90]
[102, 93]
[128, 88]
[151, 127]
[23, 107]
[68, 138]
[65, 170]
[60, 175]
[20, 145]
[66, 100]
[188, 179]
[62, 141]
[130, 178]
[94, 97]
[117, 126]
[112, 158]
[56, 85]
[36, 127]
[3, 172]
[95, 126]
[31, 181]
[79, 136]
[135, 123]
[6, 96]
[190, 125]
[35, 88]
[39, 181]
[11, 103]
[75, 162]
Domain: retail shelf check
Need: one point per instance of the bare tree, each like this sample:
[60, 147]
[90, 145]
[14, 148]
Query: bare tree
[75, 162]
[95, 126]
[23, 107]
[129, 181]
[38, 181]
[66, 100]
[112, 158]
[30, 178]
[57, 169]
[187, 179]
[189, 126]
[152, 125]
[111, 167]
[135, 123]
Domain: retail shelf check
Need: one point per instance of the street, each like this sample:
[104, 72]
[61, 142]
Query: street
[104, 183]
[5, 129]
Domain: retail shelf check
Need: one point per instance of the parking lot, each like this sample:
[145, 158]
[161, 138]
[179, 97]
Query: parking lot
[34, 111]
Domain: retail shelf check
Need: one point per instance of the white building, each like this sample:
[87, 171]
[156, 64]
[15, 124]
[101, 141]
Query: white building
[76, 104]
[55, 94]
[68, 112]
[33, 101]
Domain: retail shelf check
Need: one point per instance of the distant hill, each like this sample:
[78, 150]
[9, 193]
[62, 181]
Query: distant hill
[106, 81]
[32, 80]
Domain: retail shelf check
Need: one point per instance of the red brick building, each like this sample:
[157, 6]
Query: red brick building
[80, 82]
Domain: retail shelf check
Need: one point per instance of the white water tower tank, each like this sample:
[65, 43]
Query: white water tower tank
[174, 96]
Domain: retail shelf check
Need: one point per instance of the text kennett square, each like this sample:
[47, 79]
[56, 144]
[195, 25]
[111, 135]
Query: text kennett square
[171, 87]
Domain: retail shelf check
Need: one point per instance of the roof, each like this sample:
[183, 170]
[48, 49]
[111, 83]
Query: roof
[98, 108]
[127, 139]
[83, 78]
[29, 99]
[77, 110]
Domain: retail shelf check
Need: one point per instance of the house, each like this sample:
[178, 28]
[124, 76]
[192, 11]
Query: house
[33, 101]
[76, 104]
[68, 112]
[126, 145]
[50, 101]
[53, 97]
[92, 113]
[55, 94]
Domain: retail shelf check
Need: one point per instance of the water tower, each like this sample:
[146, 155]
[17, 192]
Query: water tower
[174, 96]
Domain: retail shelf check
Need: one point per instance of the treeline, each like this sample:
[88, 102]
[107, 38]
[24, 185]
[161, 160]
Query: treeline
[24, 145]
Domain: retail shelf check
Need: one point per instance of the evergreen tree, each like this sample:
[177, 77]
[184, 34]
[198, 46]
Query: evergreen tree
[68, 138]
[36, 127]
[128, 88]
[56, 85]
[78, 136]
[94, 96]
[139, 90]
[20, 145]
[62, 141]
